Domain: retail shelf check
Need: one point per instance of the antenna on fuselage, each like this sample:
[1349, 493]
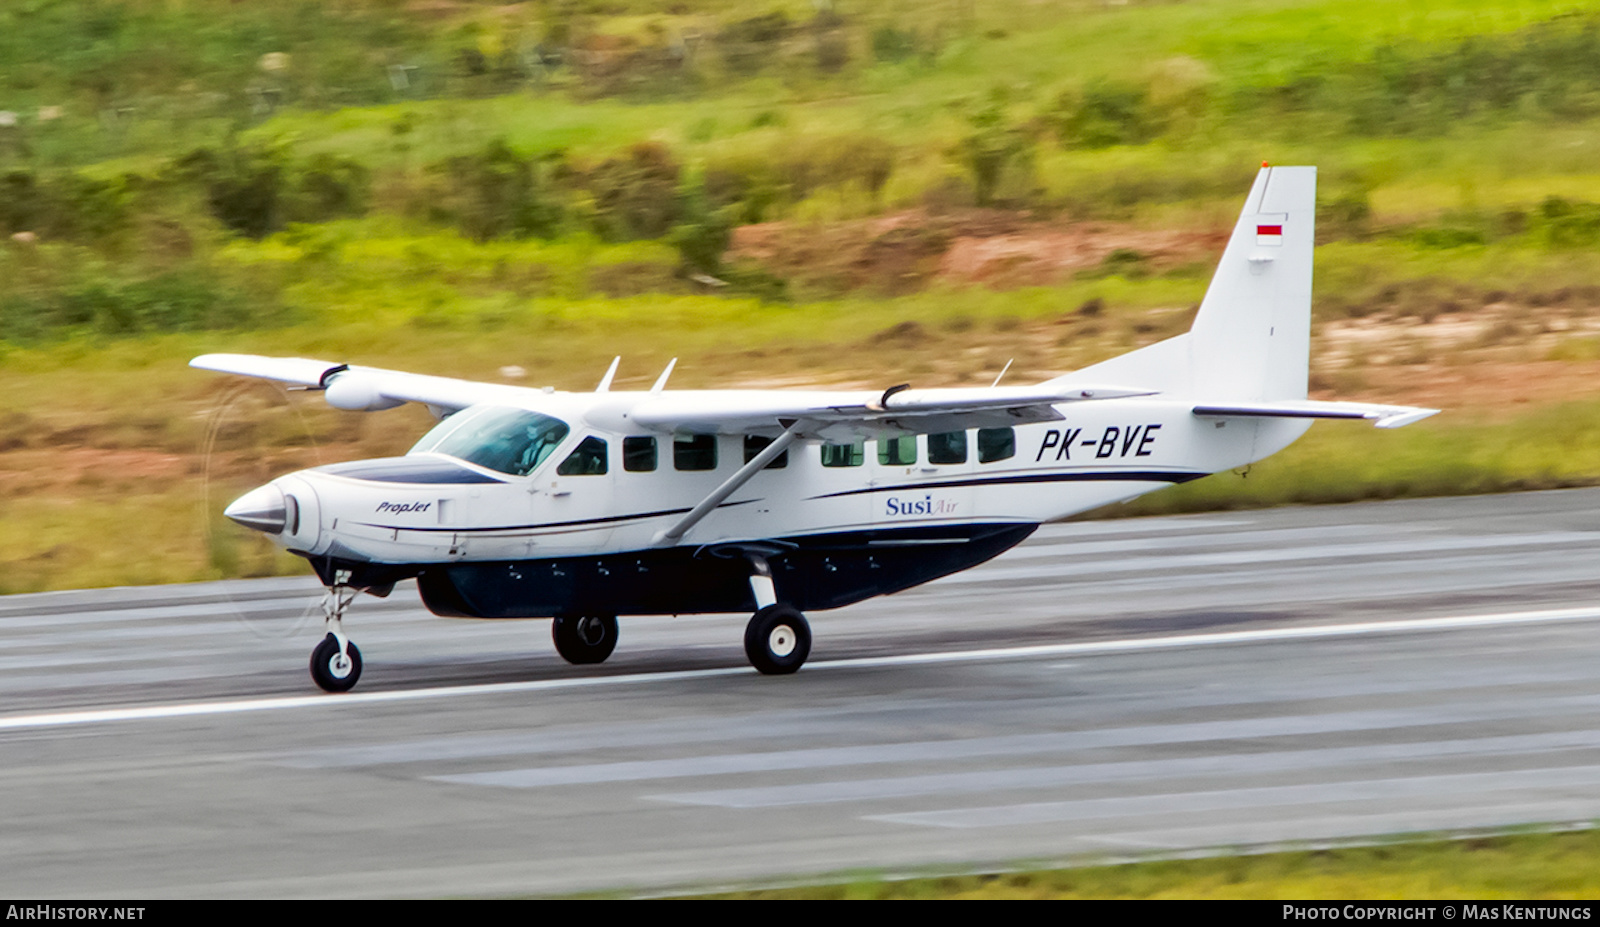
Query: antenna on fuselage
[605, 381]
[661, 381]
[1002, 373]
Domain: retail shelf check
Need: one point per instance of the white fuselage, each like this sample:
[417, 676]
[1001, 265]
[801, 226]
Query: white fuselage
[1098, 454]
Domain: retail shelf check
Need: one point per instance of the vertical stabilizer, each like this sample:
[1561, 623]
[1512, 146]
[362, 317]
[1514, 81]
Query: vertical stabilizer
[1252, 338]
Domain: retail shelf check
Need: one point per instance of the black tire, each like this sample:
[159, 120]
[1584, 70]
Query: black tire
[326, 671]
[584, 639]
[777, 640]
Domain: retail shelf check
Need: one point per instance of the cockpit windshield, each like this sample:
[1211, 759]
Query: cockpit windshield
[511, 441]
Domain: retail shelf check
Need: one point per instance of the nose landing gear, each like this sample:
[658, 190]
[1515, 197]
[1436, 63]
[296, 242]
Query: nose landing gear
[336, 663]
[335, 667]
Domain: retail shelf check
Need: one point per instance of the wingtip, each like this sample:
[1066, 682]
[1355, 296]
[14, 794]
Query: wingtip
[1406, 417]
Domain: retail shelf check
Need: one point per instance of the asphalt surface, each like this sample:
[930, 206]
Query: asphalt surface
[1118, 688]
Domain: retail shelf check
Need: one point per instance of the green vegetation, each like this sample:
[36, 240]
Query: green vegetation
[1551, 447]
[779, 193]
[110, 430]
[458, 187]
[147, 134]
[1511, 867]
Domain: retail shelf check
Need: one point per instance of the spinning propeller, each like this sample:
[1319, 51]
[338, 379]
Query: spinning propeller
[256, 431]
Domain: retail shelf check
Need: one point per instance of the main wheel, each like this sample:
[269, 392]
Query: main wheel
[777, 640]
[335, 673]
[585, 638]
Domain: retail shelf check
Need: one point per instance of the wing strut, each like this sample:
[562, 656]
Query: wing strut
[729, 486]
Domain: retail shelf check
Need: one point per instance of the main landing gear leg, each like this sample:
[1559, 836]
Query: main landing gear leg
[777, 640]
[336, 663]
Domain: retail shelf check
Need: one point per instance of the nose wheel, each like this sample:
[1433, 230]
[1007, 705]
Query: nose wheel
[583, 639]
[336, 662]
[333, 668]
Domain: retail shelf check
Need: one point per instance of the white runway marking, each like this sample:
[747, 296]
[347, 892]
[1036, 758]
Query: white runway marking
[1234, 765]
[1438, 789]
[1408, 547]
[923, 752]
[196, 709]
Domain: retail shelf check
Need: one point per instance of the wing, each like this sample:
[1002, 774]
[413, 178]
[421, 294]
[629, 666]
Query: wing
[831, 415]
[848, 415]
[1383, 416]
[363, 389]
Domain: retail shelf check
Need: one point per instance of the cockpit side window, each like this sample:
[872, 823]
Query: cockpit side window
[589, 459]
[513, 441]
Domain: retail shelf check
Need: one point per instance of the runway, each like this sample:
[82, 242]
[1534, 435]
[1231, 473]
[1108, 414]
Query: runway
[1110, 688]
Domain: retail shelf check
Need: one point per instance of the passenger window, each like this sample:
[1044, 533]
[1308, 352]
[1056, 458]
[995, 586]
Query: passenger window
[898, 452]
[639, 454]
[947, 448]
[755, 444]
[694, 452]
[996, 444]
[588, 460]
[844, 455]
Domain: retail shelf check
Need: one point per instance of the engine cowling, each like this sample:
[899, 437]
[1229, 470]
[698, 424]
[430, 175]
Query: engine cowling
[354, 392]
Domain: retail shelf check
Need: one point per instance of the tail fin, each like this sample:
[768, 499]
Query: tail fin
[1252, 337]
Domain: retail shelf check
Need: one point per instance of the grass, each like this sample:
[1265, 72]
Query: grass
[391, 283]
[1031, 53]
[1513, 867]
[67, 56]
[111, 435]
[1460, 453]
[124, 255]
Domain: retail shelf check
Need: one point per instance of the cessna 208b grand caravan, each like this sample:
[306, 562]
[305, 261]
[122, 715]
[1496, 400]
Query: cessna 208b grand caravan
[529, 503]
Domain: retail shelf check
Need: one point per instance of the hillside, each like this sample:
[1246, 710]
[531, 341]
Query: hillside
[783, 193]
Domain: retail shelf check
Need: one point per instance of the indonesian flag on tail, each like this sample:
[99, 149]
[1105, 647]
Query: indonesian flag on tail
[1269, 230]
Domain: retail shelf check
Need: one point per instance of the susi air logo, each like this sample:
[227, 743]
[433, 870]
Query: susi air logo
[400, 508]
[927, 505]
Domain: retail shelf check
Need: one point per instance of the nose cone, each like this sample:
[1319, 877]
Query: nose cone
[262, 508]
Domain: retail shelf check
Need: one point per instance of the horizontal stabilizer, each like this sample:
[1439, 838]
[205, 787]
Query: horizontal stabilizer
[1381, 415]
